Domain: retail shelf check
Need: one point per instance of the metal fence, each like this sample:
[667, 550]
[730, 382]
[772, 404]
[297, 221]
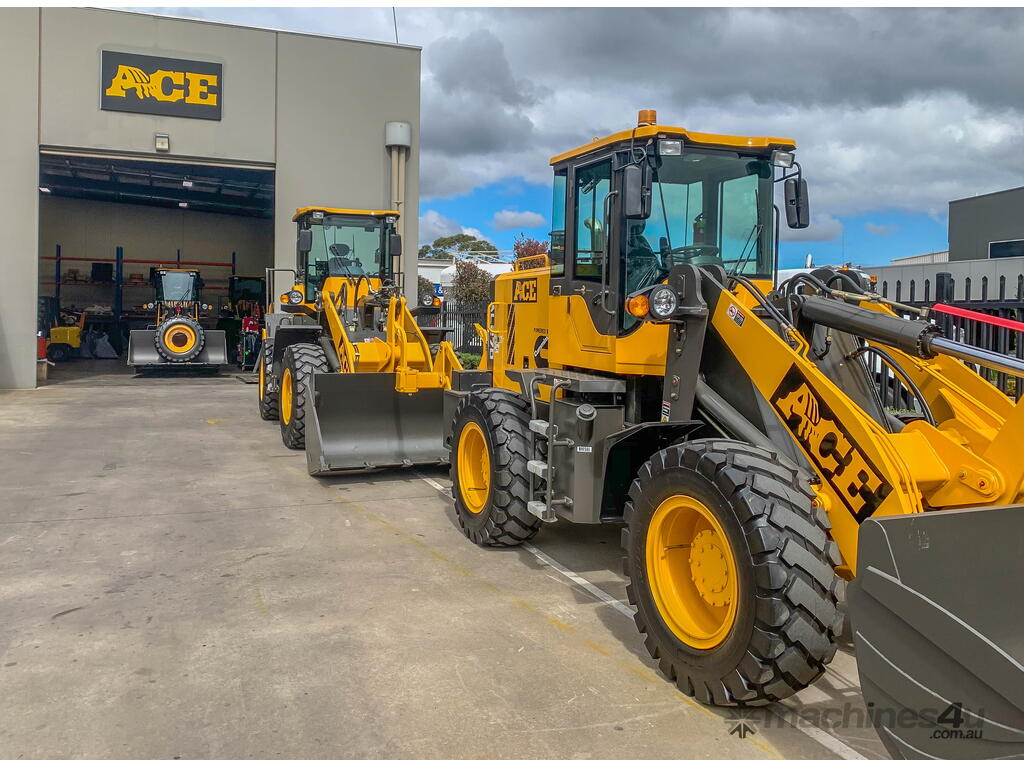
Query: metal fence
[461, 321]
[999, 331]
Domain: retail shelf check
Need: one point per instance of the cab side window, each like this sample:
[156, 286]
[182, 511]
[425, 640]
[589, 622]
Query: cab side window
[556, 251]
[592, 183]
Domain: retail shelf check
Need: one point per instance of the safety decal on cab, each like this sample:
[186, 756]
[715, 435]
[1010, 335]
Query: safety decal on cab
[736, 315]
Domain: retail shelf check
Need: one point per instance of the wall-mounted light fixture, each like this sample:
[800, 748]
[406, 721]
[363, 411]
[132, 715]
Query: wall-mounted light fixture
[162, 142]
[183, 204]
[187, 183]
[45, 190]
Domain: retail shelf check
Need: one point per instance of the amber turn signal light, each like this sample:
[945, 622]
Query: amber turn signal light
[638, 306]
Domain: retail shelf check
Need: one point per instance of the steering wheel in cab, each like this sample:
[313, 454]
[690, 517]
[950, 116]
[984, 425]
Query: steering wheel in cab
[698, 255]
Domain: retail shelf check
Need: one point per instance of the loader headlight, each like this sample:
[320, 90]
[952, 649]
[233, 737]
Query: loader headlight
[151, 305]
[663, 301]
[294, 297]
[782, 159]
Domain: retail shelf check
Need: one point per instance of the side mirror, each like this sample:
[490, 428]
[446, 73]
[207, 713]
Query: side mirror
[305, 240]
[797, 209]
[636, 191]
[395, 244]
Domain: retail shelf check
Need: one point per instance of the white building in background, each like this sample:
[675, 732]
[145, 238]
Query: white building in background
[441, 272]
[935, 257]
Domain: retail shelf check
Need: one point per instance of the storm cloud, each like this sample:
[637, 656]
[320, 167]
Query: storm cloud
[900, 109]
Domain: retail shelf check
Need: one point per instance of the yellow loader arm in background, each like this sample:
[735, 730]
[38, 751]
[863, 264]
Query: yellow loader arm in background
[403, 351]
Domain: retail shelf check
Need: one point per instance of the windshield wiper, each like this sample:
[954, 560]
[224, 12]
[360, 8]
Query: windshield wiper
[748, 248]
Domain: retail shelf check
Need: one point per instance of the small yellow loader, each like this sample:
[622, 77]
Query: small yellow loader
[652, 374]
[66, 338]
[345, 368]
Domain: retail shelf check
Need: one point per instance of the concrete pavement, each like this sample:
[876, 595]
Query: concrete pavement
[175, 585]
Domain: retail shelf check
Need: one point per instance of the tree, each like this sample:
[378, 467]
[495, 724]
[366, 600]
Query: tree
[524, 247]
[528, 246]
[472, 285]
[449, 246]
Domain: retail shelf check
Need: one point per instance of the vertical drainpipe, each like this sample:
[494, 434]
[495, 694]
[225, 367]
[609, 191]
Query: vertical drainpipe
[398, 140]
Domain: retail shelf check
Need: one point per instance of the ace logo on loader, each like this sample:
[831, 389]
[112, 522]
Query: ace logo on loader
[154, 85]
[524, 291]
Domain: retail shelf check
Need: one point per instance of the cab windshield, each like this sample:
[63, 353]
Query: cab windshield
[177, 286]
[707, 208]
[347, 246]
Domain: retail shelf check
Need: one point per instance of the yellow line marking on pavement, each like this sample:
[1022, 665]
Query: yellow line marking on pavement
[559, 624]
[595, 647]
[261, 605]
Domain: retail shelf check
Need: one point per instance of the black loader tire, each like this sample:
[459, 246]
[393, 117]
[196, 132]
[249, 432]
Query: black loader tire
[179, 356]
[504, 419]
[788, 615]
[58, 353]
[267, 400]
[302, 360]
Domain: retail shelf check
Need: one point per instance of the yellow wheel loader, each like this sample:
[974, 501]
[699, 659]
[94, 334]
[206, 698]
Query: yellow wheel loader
[651, 374]
[345, 367]
[177, 339]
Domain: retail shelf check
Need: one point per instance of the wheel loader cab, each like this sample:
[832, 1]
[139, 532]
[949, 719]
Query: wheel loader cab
[626, 210]
[345, 252]
[177, 291]
[636, 204]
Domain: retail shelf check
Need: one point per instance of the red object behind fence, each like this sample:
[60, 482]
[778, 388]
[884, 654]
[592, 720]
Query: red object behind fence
[968, 314]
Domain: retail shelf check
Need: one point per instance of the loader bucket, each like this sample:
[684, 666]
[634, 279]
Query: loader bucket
[939, 631]
[359, 421]
[142, 351]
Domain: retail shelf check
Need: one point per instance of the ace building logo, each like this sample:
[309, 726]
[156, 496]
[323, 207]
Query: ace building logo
[154, 85]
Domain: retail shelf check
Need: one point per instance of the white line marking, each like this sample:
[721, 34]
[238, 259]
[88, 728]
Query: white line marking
[789, 714]
[433, 483]
[574, 577]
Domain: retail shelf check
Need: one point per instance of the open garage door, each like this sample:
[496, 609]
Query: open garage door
[118, 234]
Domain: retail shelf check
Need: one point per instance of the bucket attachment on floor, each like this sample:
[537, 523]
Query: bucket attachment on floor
[359, 421]
[939, 631]
[142, 350]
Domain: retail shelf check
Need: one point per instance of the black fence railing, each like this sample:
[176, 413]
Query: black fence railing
[987, 334]
[461, 320]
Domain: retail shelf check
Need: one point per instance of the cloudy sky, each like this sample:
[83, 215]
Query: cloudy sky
[895, 112]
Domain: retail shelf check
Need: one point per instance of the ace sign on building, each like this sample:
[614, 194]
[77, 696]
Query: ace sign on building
[154, 85]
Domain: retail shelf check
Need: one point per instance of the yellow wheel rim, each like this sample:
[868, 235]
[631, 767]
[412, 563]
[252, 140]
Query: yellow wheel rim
[179, 338]
[286, 396]
[692, 572]
[474, 466]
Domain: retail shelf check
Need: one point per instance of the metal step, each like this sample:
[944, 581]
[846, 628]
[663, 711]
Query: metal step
[539, 426]
[539, 509]
[538, 467]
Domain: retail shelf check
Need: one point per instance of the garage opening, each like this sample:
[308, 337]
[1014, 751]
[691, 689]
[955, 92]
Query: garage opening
[110, 226]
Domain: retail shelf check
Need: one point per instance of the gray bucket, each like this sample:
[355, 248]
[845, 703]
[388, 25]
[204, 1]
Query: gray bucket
[939, 632]
[360, 422]
[142, 350]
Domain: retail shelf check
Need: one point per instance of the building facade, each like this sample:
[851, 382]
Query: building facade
[160, 139]
[987, 226]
